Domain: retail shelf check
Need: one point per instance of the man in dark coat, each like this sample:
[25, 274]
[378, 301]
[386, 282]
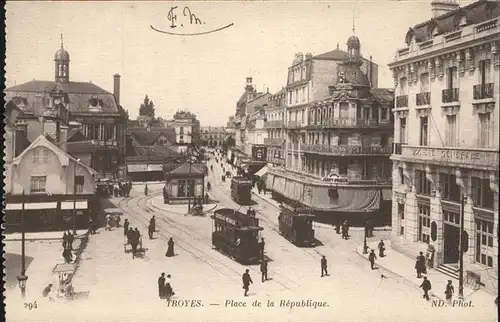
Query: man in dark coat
[420, 265]
[64, 240]
[71, 238]
[345, 230]
[324, 268]
[152, 222]
[381, 248]
[125, 227]
[262, 245]
[161, 286]
[426, 286]
[247, 280]
[263, 270]
[372, 257]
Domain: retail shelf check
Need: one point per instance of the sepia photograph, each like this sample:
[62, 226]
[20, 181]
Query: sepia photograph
[251, 160]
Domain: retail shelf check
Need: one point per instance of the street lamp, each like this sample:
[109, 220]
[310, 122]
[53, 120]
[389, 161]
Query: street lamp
[22, 278]
[74, 197]
[189, 182]
[365, 246]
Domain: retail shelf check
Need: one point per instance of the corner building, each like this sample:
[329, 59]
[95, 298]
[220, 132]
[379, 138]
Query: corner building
[446, 134]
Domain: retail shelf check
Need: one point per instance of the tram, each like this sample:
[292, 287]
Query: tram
[241, 190]
[295, 224]
[236, 235]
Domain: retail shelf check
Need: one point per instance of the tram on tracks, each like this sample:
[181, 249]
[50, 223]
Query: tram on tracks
[241, 190]
[295, 224]
[236, 235]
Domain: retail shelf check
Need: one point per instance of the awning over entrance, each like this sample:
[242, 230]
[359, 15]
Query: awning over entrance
[70, 204]
[262, 171]
[31, 205]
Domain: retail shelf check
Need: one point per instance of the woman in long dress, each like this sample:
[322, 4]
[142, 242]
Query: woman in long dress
[170, 250]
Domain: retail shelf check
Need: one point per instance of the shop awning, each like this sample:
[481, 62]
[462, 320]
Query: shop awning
[262, 171]
[69, 205]
[31, 205]
[144, 167]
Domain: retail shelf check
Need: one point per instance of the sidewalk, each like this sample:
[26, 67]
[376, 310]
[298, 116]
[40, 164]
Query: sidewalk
[403, 266]
[46, 235]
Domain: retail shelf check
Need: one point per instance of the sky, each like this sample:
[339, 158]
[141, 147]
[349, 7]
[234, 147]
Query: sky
[204, 74]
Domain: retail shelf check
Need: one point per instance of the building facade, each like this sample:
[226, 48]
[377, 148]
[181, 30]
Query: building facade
[187, 130]
[338, 142]
[213, 136]
[446, 134]
[275, 126]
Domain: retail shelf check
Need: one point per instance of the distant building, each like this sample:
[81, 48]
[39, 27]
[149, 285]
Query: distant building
[447, 137]
[275, 126]
[213, 136]
[187, 130]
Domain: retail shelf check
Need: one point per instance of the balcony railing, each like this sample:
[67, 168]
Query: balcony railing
[402, 101]
[293, 124]
[397, 148]
[424, 98]
[482, 91]
[450, 95]
[274, 124]
[345, 149]
[348, 122]
[274, 141]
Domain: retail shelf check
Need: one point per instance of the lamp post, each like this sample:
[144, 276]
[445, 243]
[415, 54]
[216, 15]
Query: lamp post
[74, 197]
[365, 246]
[461, 250]
[189, 183]
[22, 278]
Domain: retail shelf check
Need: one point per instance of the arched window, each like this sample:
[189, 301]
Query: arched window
[462, 22]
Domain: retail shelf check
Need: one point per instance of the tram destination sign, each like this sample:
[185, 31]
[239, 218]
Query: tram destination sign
[226, 219]
[470, 157]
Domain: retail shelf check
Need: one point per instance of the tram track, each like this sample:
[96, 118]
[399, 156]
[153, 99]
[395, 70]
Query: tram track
[186, 245]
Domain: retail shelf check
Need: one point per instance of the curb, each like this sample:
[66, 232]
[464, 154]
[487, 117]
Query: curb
[417, 286]
[6, 239]
[182, 213]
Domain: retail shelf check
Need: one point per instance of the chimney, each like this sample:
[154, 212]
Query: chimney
[440, 7]
[63, 138]
[116, 88]
[21, 138]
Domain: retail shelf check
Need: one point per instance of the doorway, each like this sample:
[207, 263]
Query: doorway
[451, 243]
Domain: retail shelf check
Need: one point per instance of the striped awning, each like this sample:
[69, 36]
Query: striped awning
[31, 205]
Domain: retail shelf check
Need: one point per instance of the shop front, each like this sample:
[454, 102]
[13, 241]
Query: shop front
[184, 183]
[48, 212]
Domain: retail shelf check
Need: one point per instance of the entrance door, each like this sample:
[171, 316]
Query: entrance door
[451, 243]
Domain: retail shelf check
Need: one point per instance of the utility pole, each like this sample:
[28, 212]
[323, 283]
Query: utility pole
[461, 250]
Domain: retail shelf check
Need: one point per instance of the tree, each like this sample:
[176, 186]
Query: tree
[147, 108]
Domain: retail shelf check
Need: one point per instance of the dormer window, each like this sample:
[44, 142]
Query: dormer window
[462, 22]
[94, 101]
[434, 32]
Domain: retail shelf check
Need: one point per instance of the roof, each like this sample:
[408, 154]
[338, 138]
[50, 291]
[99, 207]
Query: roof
[240, 218]
[336, 54]
[76, 135]
[145, 137]
[259, 101]
[79, 96]
[61, 54]
[153, 152]
[187, 168]
[383, 94]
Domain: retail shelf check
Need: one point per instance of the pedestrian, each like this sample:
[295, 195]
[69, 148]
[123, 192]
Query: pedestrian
[71, 238]
[247, 280]
[259, 187]
[46, 292]
[169, 291]
[324, 267]
[420, 265]
[381, 248]
[449, 291]
[337, 226]
[64, 240]
[170, 249]
[426, 286]
[262, 246]
[126, 224]
[150, 231]
[161, 286]
[372, 257]
[207, 198]
[130, 236]
[345, 230]
[146, 190]
[152, 222]
[263, 270]
[66, 254]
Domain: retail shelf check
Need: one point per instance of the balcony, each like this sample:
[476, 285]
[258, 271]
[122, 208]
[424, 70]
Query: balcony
[274, 124]
[483, 91]
[346, 122]
[450, 95]
[402, 101]
[274, 141]
[345, 149]
[293, 124]
[481, 159]
[423, 99]
[397, 148]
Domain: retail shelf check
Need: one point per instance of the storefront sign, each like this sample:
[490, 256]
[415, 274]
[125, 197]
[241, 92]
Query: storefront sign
[137, 167]
[31, 206]
[69, 205]
[454, 155]
[155, 167]
[226, 219]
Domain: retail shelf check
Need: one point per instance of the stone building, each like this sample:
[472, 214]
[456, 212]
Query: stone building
[447, 137]
[187, 130]
[275, 126]
[213, 136]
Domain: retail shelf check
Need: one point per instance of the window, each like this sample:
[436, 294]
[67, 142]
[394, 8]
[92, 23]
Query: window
[40, 155]
[181, 130]
[452, 77]
[79, 181]
[182, 189]
[451, 130]
[383, 113]
[290, 98]
[402, 130]
[423, 185]
[344, 110]
[424, 130]
[484, 130]
[296, 96]
[424, 83]
[484, 242]
[401, 175]
[343, 166]
[303, 94]
[401, 210]
[482, 195]
[424, 223]
[484, 71]
[38, 183]
[451, 190]
[343, 139]
[403, 87]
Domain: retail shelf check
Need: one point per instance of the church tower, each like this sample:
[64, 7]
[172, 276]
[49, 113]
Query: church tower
[61, 59]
